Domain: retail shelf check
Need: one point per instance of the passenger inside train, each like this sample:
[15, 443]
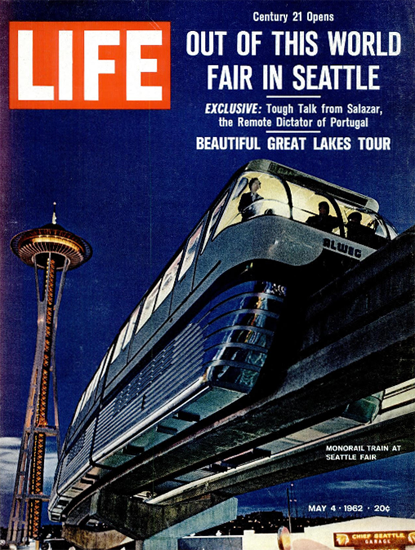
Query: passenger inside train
[247, 206]
[357, 232]
[281, 197]
[323, 220]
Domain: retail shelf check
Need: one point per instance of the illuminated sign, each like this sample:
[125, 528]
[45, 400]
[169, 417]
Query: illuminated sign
[375, 539]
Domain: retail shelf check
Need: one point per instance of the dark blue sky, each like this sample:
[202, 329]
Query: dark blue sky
[368, 485]
[133, 184]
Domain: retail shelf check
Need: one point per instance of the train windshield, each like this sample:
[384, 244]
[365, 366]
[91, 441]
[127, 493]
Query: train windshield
[260, 194]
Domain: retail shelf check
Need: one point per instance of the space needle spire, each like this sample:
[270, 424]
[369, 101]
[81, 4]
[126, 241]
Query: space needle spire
[54, 219]
[52, 251]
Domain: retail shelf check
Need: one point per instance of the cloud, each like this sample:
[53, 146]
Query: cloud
[365, 485]
[9, 442]
[9, 456]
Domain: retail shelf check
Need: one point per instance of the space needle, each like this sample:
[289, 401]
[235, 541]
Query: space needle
[52, 251]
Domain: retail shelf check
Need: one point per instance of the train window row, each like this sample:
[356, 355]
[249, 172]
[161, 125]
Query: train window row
[144, 310]
[90, 390]
[257, 194]
[158, 294]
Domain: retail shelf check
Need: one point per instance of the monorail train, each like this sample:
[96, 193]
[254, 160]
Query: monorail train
[199, 339]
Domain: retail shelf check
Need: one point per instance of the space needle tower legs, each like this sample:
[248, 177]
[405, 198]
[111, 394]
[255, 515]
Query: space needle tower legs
[52, 251]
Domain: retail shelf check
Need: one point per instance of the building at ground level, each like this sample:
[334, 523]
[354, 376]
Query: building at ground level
[373, 533]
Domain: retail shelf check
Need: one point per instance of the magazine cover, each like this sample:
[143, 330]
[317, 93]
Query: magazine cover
[216, 199]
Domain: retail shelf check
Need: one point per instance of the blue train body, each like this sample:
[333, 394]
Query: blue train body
[199, 339]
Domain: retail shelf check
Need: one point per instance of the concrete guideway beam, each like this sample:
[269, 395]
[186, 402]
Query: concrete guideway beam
[376, 287]
[303, 462]
[133, 518]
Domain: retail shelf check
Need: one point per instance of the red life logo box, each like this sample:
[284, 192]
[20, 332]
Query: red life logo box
[90, 65]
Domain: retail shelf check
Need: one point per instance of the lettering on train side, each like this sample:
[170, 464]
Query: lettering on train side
[343, 248]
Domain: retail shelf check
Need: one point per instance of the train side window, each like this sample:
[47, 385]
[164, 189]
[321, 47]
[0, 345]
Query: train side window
[99, 373]
[367, 221]
[305, 204]
[105, 361]
[78, 410]
[273, 200]
[167, 282]
[131, 325]
[213, 219]
[364, 226]
[102, 365]
[101, 368]
[92, 385]
[88, 392]
[148, 306]
[83, 399]
[119, 343]
[190, 250]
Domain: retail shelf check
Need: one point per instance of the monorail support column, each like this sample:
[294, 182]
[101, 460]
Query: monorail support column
[167, 539]
[156, 525]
